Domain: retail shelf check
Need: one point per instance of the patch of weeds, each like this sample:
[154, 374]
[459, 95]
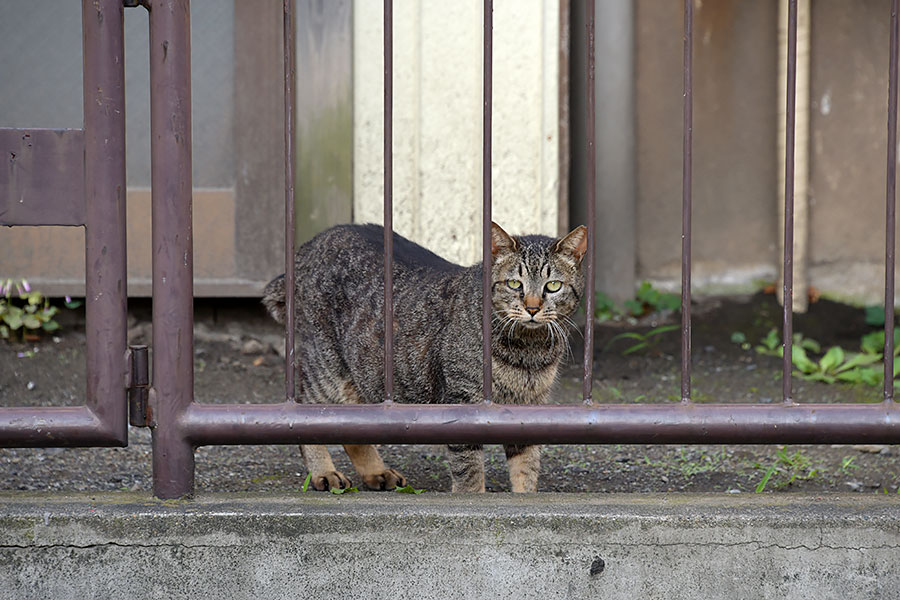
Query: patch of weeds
[771, 344]
[25, 314]
[604, 308]
[643, 341]
[847, 465]
[649, 300]
[873, 343]
[786, 469]
[738, 337]
[836, 365]
[690, 465]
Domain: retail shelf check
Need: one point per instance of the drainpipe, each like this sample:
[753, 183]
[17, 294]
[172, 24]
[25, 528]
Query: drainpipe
[801, 152]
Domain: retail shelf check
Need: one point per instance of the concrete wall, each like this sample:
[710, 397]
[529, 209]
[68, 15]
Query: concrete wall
[735, 223]
[438, 120]
[370, 545]
[736, 214]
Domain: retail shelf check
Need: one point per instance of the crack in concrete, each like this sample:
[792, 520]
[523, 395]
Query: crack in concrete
[118, 545]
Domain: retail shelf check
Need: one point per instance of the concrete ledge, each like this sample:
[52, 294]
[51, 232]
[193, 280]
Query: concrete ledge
[439, 546]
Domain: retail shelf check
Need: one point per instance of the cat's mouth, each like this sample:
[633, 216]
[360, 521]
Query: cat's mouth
[532, 323]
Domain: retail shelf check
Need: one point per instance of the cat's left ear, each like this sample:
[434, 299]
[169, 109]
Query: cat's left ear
[575, 243]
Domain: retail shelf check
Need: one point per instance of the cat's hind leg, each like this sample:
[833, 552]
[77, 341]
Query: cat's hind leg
[466, 467]
[324, 476]
[371, 468]
[524, 464]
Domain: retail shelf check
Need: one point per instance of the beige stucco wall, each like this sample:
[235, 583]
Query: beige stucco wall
[438, 120]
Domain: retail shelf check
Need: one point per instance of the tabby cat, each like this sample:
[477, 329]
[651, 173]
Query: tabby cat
[537, 283]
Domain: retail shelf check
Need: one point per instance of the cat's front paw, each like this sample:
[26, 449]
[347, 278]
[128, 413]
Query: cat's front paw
[330, 480]
[385, 480]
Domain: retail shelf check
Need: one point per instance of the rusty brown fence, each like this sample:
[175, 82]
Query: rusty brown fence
[179, 425]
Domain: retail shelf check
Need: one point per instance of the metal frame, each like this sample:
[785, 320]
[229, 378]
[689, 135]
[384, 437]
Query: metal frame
[88, 167]
[179, 425]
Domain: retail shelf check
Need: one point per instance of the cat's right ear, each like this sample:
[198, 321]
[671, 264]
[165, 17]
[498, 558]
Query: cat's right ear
[501, 242]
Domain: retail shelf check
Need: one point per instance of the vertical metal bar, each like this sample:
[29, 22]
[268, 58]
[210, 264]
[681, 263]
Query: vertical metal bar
[388, 201]
[890, 214]
[104, 189]
[686, 201]
[588, 379]
[487, 255]
[173, 319]
[788, 290]
[290, 360]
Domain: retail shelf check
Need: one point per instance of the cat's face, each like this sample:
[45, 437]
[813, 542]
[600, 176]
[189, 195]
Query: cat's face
[537, 282]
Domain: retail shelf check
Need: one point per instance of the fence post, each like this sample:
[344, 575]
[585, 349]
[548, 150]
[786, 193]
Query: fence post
[173, 320]
[104, 189]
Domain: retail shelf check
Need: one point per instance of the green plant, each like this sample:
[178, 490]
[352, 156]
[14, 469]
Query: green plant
[786, 469]
[689, 465]
[408, 489]
[835, 365]
[771, 344]
[306, 481]
[739, 338]
[873, 343]
[649, 300]
[339, 491]
[847, 465]
[604, 308]
[26, 312]
[644, 340]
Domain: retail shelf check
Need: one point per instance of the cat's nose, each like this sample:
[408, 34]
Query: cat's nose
[532, 310]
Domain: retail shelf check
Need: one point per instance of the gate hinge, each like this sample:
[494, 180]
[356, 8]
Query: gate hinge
[138, 386]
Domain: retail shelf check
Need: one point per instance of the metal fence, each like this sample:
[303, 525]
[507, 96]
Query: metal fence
[179, 425]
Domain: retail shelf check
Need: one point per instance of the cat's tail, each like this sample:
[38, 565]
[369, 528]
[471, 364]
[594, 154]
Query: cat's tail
[274, 299]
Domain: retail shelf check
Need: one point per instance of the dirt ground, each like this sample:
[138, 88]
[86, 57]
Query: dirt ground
[236, 361]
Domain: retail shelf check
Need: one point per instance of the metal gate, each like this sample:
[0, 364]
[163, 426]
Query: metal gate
[179, 425]
[76, 177]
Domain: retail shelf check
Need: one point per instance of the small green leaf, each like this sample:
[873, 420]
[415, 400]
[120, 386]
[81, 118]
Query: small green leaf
[306, 482]
[663, 329]
[811, 345]
[31, 322]
[832, 358]
[636, 347]
[738, 338]
[801, 361]
[858, 360]
[50, 326]
[339, 491]
[408, 490]
[762, 484]
[871, 376]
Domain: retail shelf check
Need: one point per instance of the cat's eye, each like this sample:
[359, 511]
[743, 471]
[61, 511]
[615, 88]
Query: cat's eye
[514, 283]
[553, 286]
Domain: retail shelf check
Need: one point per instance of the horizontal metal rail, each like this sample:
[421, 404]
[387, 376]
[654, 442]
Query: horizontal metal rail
[291, 423]
[54, 426]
